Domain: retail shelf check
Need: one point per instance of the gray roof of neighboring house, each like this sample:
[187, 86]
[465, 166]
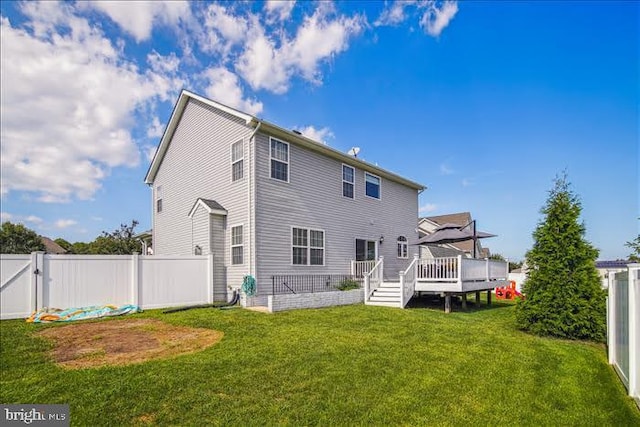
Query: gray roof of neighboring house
[52, 247]
[612, 264]
[440, 251]
[461, 219]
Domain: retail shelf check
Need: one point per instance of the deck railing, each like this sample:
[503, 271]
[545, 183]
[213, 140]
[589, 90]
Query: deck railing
[459, 269]
[360, 268]
[373, 278]
[443, 269]
[408, 281]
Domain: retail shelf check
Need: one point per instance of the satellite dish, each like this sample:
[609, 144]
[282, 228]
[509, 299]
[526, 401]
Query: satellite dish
[354, 151]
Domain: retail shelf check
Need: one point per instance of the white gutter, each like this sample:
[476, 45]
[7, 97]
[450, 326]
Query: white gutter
[250, 196]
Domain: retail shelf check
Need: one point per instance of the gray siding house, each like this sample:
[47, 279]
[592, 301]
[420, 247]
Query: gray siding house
[267, 201]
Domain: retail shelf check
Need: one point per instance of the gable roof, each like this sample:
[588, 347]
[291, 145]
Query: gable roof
[210, 206]
[52, 247]
[269, 128]
[461, 219]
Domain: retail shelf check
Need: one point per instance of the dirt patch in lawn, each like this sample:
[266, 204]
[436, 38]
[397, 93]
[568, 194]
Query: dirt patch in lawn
[123, 342]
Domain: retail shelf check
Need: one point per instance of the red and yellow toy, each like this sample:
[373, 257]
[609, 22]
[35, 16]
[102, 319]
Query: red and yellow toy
[508, 292]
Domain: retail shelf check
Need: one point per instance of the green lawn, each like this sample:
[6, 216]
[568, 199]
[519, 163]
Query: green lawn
[354, 365]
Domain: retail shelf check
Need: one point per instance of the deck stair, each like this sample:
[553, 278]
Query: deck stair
[388, 294]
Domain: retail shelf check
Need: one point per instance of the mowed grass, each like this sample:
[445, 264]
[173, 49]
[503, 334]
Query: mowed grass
[353, 365]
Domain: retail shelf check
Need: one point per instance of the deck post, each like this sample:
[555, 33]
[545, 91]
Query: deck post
[464, 301]
[489, 297]
[447, 303]
[477, 297]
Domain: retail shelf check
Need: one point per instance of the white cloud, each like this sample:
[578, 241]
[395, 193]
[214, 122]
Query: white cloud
[156, 129]
[68, 99]
[428, 208]
[224, 87]
[138, 17]
[149, 152]
[270, 61]
[445, 169]
[32, 219]
[394, 14]
[278, 9]
[65, 223]
[223, 29]
[320, 135]
[436, 19]
[466, 182]
[5, 216]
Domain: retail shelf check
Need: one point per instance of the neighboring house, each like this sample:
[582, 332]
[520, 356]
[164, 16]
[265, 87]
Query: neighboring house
[607, 267]
[52, 247]
[267, 201]
[428, 225]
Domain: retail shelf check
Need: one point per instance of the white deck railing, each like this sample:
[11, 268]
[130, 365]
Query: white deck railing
[373, 278]
[360, 268]
[459, 269]
[408, 281]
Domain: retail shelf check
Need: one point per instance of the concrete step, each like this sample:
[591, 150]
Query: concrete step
[384, 298]
[383, 303]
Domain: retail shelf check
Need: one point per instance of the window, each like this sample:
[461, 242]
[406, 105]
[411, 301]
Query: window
[159, 199]
[279, 155]
[307, 246]
[348, 178]
[403, 247]
[237, 248]
[372, 185]
[237, 161]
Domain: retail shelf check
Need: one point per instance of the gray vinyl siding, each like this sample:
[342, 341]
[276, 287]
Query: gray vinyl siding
[313, 199]
[198, 164]
[218, 239]
[200, 230]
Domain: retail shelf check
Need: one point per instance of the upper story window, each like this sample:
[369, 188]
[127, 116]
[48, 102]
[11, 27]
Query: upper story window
[237, 161]
[403, 247]
[279, 156]
[348, 180]
[372, 185]
[237, 245]
[159, 199]
[307, 246]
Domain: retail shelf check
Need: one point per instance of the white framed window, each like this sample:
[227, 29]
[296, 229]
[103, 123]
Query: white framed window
[159, 198]
[279, 160]
[237, 245]
[237, 161]
[348, 181]
[371, 185]
[307, 246]
[403, 247]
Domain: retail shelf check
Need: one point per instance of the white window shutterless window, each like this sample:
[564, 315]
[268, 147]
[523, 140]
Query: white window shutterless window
[279, 160]
[372, 185]
[237, 161]
[237, 245]
[307, 246]
[348, 180]
[159, 199]
[403, 247]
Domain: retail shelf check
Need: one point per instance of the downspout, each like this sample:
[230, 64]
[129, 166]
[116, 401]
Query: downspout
[252, 170]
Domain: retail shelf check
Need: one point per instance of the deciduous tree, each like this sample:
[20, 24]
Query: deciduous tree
[18, 239]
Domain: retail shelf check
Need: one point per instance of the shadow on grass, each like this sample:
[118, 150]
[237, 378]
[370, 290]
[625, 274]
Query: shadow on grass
[436, 302]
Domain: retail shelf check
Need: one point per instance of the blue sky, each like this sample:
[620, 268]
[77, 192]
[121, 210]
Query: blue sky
[483, 102]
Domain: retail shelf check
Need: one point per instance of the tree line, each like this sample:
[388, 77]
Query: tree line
[18, 239]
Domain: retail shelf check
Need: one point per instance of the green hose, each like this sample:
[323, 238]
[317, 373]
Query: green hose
[249, 286]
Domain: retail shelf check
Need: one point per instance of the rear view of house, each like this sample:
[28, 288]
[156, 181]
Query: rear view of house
[267, 202]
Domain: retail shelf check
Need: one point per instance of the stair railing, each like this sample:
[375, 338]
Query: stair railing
[408, 282]
[373, 278]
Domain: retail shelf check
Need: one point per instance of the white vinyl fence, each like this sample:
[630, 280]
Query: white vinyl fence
[31, 282]
[623, 327]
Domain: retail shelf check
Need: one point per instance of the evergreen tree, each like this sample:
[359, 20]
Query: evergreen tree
[18, 239]
[563, 292]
